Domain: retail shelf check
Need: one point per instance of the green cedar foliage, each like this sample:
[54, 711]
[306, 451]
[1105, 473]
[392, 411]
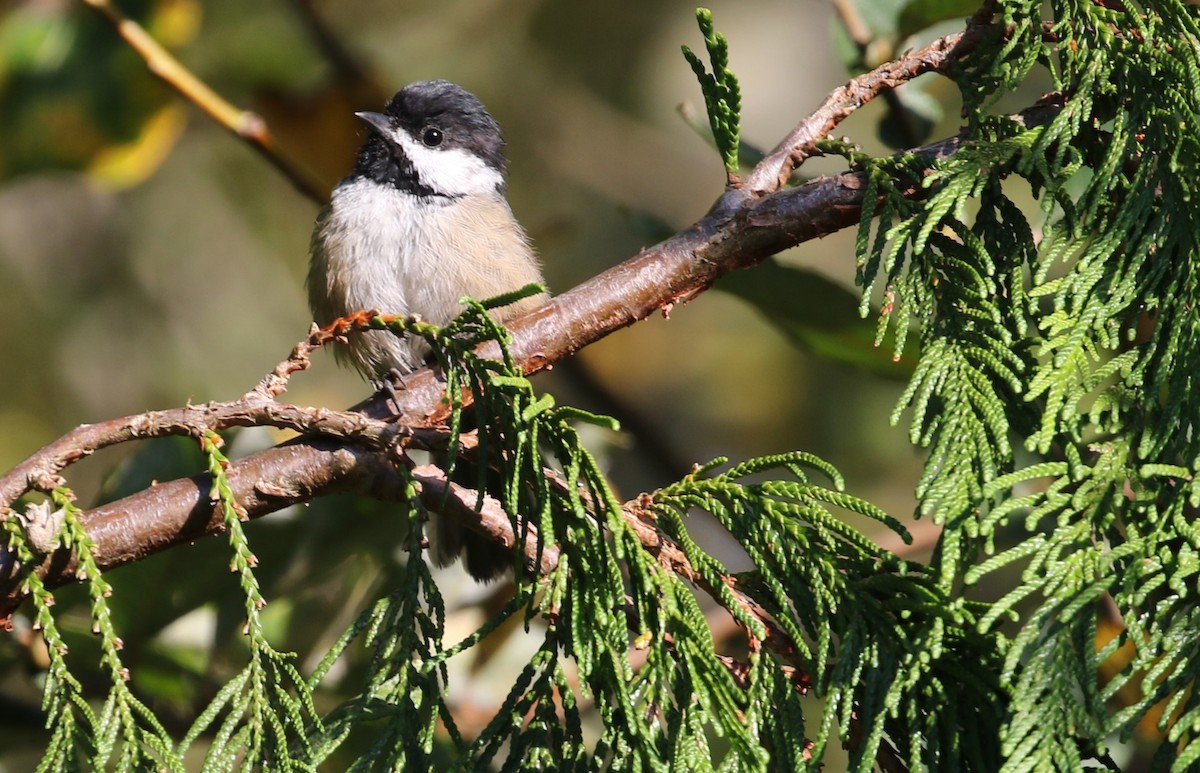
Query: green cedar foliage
[722, 95]
[1053, 391]
[1055, 387]
[824, 611]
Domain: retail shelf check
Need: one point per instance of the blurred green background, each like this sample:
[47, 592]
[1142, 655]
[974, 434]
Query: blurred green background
[148, 258]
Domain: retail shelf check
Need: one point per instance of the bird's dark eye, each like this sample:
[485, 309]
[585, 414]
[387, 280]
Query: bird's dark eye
[432, 137]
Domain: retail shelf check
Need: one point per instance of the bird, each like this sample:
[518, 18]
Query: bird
[421, 221]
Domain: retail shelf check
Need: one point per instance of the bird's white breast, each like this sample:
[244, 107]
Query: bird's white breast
[377, 247]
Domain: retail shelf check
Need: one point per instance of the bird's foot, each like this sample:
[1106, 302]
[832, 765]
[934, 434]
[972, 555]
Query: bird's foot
[391, 385]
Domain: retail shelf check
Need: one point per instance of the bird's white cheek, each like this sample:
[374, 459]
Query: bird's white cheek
[452, 172]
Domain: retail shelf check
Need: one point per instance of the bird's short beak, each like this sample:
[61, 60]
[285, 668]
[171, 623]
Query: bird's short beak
[377, 121]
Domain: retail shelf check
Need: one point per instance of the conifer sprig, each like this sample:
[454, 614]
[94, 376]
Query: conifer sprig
[722, 94]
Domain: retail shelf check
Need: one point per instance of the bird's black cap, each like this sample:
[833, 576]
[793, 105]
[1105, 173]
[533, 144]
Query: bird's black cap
[455, 113]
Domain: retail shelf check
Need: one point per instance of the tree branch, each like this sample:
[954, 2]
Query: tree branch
[774, 171]
[743, 227]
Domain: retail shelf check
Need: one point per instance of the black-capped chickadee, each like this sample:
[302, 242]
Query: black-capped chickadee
[422, 221]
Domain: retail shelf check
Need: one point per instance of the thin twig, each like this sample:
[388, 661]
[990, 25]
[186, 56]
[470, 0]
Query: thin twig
[774, 170]
[854, 24]
[245, 124]
[42, 471]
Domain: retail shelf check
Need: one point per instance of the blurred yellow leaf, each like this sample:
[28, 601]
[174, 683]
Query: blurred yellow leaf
[74, 96]
[122, 166]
